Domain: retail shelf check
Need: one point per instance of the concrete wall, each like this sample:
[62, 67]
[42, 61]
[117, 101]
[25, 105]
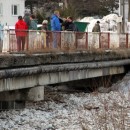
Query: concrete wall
[56, 77]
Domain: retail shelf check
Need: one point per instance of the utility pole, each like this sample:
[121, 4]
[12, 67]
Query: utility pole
[124, 16]
[122, 13]
[129, 11]
[119, 7]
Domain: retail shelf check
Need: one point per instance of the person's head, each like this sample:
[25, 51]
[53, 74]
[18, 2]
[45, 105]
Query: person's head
[26, 13]
[20, 17]
[57, 13]
[98, 22]
[32, 16]
[70, 19]
[64, 19]
[45, 22]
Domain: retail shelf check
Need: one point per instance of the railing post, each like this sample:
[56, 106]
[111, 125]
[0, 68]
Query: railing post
[86, 40]
[76, 40]
[108, 40]
[127, 40]
[8, 32]
[6, 41]
[27, 38]
[100, 46]
[60, 39]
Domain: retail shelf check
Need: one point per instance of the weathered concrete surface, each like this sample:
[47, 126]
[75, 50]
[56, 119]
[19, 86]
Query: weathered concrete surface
[7, 105]
[22, 60]
[36, 94]
[16, 99]
[21, 74]
[26, 71]
[29, 94]
[42, 79]
[19, 71]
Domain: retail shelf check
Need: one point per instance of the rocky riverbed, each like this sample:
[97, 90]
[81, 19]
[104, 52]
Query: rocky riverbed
[73, 111]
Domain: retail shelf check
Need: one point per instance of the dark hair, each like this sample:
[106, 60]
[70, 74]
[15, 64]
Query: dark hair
[20, 17]
[70, 18]
[32, 16]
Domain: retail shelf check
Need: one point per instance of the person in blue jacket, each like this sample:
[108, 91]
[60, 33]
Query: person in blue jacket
[55, 27]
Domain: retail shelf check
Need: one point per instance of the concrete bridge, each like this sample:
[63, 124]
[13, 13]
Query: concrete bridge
[22, 76]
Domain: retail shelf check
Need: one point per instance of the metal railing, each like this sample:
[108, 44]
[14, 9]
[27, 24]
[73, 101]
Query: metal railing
[40, 41]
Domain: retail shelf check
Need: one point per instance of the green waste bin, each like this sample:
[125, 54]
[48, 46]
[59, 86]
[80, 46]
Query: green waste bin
[81, 26]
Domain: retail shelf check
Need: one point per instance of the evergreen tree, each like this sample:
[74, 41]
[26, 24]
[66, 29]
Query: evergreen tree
[77, 7]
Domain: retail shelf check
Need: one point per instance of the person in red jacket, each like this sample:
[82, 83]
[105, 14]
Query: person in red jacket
[21, 33]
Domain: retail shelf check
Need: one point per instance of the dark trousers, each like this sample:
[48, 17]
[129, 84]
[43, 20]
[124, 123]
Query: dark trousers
[20, 43]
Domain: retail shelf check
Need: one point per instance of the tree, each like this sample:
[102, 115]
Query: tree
[70, 11]
[79, 8]
[110, 5]
[94, 7]
[41, 8]
[30, 4]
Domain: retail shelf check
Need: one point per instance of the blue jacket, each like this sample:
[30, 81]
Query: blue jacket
[55, 23]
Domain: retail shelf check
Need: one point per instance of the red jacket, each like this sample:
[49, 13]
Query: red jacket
[21, 28]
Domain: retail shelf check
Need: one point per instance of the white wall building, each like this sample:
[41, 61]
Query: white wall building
[10, 10]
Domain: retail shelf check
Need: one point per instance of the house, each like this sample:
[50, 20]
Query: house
[10, 10]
